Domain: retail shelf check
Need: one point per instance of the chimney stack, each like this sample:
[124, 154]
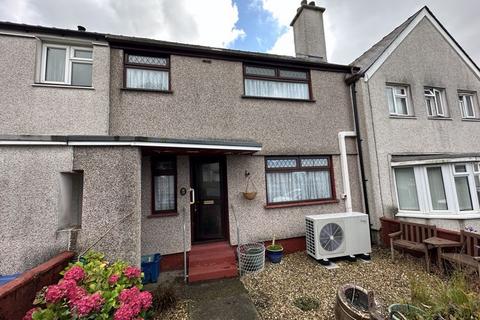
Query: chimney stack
[308, 32]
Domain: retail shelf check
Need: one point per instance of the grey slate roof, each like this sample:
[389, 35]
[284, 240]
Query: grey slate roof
[368, 58]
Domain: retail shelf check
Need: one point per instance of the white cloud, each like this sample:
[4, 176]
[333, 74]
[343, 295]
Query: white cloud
[208, 23]
[284, 44]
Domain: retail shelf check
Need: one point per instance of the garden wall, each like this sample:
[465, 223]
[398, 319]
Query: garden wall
[16, 297]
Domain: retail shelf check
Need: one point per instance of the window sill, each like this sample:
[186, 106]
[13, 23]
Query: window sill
[147, 90]
[299, 204]
[278, 99]
[392, 116]
[65, 86]
[440, 118]
[161, 215]
[446, 216]
[471, 119]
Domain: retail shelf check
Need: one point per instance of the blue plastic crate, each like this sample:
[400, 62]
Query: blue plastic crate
[151, 267]
[8, 278]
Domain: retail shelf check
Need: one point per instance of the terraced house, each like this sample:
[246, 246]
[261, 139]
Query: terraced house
[420, 120]
[132, 145]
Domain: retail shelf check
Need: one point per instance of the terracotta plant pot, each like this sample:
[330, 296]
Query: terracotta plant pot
[249, 195]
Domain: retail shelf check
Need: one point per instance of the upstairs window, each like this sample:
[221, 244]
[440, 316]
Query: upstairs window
[164, 176]
[435, 102]
[298, 179]
[147, 72]
[397, 97]
[273, 82]
[467, 105]
[67, 65]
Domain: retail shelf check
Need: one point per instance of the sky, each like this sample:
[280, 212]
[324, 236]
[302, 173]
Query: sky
[352, 26]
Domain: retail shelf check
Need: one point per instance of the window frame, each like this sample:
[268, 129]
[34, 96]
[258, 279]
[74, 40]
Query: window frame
[462, 96]
[448, 174]
[395, 95]
[140, 66]
[69, 60]
[299, 168]
[277, 78]
[157, 172]
[443, 102]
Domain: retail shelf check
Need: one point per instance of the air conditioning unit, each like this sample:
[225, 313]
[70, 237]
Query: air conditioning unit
[335, 235]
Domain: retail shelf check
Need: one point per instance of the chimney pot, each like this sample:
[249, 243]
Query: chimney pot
[312, 3]
[303, 2]
[81, 28]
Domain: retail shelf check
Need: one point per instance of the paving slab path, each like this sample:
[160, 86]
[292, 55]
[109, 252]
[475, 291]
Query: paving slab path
[220, 300]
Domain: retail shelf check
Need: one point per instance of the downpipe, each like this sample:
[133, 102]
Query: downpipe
[347, 194]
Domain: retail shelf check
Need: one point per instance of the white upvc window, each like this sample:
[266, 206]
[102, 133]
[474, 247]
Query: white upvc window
[467, 105]
[435, 102]
[438, 188]
[397, 97]
[66, 65]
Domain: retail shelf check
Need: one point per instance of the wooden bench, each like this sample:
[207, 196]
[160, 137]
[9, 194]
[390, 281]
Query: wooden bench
[469, 253]
[410, 237]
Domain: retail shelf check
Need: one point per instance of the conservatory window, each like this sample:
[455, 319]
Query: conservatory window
[406, 189]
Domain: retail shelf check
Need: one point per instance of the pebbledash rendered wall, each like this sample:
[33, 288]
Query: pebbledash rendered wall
[32, 108]
[424, 58]
[29, 194]
[206, 103]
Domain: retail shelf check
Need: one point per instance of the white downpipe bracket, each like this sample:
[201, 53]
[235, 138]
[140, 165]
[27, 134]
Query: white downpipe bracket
[344, 168]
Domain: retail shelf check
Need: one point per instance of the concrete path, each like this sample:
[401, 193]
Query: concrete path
[220, 300]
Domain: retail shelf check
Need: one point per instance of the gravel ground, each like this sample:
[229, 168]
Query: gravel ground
[274, 290]
[179, 312]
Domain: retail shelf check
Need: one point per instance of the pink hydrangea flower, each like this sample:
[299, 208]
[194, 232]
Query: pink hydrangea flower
[88, 304]
[124, 313]
[132, 272]
[29, 314]
[145, 298]
[71, 290]
[113, 279]
[128, 296]
[75, 273]
[54, 294]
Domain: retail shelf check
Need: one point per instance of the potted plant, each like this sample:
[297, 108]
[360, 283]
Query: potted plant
[249, 194]
[274, 251]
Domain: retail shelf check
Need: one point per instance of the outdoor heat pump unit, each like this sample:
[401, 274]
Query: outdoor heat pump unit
[335, 235]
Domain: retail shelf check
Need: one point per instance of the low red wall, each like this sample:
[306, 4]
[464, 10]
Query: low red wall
[16, 297]
[392, 225]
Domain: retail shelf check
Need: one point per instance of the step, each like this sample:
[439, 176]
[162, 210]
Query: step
[212, 272]
[210, 247]
[221, 255]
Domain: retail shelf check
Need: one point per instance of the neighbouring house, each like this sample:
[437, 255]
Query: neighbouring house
[145, 142]
[417, 93]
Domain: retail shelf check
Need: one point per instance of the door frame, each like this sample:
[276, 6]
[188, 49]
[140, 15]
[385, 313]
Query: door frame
[224, 196]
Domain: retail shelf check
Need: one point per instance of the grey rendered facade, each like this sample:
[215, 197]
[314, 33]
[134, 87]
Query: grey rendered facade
[49, 130]
[418, 54]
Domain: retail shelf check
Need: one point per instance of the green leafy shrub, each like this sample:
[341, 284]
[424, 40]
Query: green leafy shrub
[306, 303]
[92, 288]
[275, 247]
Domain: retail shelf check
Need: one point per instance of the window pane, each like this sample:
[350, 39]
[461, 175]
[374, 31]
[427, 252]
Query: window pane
[147, 79]
[257, 71]
[83, 54]
[281, 163]
[81, 74]
[276, 89]
[391, 103]
[298, 186]
[406, 189]
[293, 74]
[154, 61]
[430, 106]
[439, 101]
[469, 107]
[401, 105]
[460, 168]
[164, 192]
[314, 162]
[164, 165]
[477, 185]
[463, 193]
[55, 64]
[437, 189]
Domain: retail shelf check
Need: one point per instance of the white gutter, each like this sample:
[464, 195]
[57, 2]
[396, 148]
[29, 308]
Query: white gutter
[130, 144]
[347, 194]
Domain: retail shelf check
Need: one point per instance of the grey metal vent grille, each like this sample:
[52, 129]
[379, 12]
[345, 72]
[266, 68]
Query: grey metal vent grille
[331, 236]
[310, 237]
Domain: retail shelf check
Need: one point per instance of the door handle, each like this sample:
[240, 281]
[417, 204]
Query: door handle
[192, 196]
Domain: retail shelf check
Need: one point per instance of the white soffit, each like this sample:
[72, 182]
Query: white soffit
[423, 14]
